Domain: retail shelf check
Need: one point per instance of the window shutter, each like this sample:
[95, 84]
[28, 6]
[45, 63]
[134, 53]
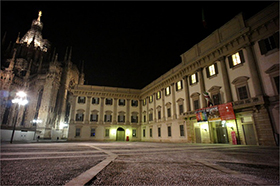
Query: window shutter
[216, 68]
[276, 39]
[230, 61]
[190, 79]
[241, 56]
[96, 117]
[196, 77]
[262, 47]
[110, 118]
[207, 72]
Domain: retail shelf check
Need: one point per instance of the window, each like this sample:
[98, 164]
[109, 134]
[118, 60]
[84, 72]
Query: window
[169, 131]
[212, 70]
[134, 103]
[236, 59]
[94, 117]
[78, 132]
[182, 132]
[179, 85]
[144, 102]
[144, 133]
[121, 117]
[134, 133]
[241, 87]
[196, 104]
[158, 95]
[269, 43]
[181, 109]
[168, 112]
[159, 132]
[151, 117]
[95, 101]
[121, 102]
[144, 118]
[92, 132]
[107, 132]
[151, 132]
[150, 99]
[217, 99]
[80, 116]
[109, 101]
[159, 114]
[108, 117]
[242, 92]
[134, 118]
[273, 73]
[81, 99]
[193, 79]
[167, 91]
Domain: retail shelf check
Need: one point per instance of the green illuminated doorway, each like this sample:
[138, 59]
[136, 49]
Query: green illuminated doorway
[120, 134]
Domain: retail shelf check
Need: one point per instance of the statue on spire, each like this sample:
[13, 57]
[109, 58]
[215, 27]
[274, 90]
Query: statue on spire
[39, 16]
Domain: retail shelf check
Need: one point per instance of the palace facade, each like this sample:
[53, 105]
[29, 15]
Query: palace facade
[237, 66]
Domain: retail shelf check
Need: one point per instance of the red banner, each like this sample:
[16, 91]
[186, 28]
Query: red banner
[226, 111]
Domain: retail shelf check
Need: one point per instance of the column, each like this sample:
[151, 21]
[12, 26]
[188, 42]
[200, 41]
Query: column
[147, 104]
[115, 110]
[163, 103]
[253, 71]
[87, 110]
[140, 111]
[202, 87]
[173, 100]
[226, 80]
[155, 110]
[187, 93]
[127, 112]
[101, 118]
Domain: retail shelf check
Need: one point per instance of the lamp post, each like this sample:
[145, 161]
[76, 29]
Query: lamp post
[20, 99]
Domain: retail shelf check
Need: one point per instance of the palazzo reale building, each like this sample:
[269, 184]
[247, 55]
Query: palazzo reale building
[225, 90]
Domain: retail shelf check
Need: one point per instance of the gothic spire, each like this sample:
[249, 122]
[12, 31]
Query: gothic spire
[65, 57]
[39, 16]
[70, 54]
[12, 63]
[17, 41]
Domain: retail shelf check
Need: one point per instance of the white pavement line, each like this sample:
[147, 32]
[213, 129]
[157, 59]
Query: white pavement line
[54, 152]
[50, 157]
[246, 177]
[85, 177]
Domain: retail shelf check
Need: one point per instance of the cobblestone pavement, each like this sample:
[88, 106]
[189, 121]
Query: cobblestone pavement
[138, 163]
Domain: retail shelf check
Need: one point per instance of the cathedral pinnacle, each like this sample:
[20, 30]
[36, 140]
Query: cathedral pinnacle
[39, 16]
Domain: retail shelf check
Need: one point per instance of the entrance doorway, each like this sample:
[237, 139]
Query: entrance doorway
[249, 134]
[197, 135]
[222, 135]
[120, 134]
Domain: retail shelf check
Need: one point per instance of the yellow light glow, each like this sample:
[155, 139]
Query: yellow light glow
[113, 131]
[39, 16]
[127, 132]
[212, 70]
[236, 59]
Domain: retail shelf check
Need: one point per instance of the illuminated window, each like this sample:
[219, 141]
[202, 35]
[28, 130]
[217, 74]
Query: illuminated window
[158, 95]
[193, 79]
[144, 102]
[236, 59]
[212, 70]
[94, 117]
[150, 99]
[167, 91]
[179, 85]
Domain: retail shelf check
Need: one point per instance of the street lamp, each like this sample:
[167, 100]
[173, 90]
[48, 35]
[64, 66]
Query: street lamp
[20, 99]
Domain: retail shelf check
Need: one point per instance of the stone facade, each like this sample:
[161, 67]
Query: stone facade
[235, 64]
[30, 65]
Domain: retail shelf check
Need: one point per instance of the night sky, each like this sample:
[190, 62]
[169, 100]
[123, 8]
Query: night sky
[125, 44]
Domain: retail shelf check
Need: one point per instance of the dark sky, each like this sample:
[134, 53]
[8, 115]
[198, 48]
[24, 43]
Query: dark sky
[123, 43]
